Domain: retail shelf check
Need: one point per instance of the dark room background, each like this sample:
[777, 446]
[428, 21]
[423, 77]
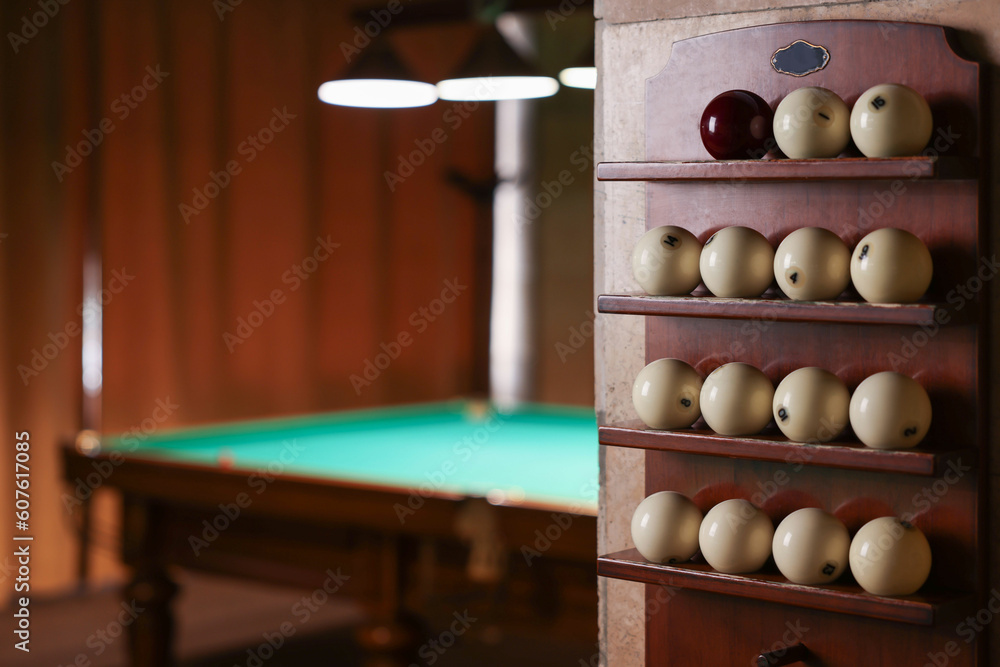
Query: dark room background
[183, 144]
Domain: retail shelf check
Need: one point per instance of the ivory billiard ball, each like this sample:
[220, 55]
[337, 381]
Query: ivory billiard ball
[891, 266]
[811, 405]
[891, 120]
[666, 394]
[812, 264]
[665, 528]
[737, 125]
[811, 547]
[812, 122]
[736, 399]
[737, 262]
[665, 261]
[890, 410]
[890, 557]
[735, 537]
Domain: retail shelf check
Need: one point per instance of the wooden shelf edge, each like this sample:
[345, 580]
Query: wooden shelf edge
[782, 310]
[850, 455]
[837, 169]
[629, 565]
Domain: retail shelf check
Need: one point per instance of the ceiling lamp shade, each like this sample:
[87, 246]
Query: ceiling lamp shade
[494, 71]
[583, 74]
[579, 77]
[378, 80]
[378, 93]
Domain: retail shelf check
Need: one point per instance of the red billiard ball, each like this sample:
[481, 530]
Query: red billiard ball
[737, 125]
[226, 459]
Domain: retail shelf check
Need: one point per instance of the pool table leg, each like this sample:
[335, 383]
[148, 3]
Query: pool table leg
[151, 591]
[83, 557]
[392, 637]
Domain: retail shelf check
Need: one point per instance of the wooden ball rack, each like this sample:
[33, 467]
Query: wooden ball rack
[709, 618]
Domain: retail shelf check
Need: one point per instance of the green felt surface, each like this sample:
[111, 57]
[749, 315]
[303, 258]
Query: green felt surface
[535, 454]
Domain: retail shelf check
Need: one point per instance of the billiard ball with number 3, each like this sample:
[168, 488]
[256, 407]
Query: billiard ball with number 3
[665, 261]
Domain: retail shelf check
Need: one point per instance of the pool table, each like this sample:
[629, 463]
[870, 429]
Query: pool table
[398, 508]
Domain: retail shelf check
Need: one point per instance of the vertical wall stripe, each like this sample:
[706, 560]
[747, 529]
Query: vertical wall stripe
[223, 227]
[179, 314]
[382, 268]
[313, 190]
[93, 253]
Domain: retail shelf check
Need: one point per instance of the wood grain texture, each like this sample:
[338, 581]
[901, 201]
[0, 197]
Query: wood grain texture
[773, 446]
[772, 587]
[783, 656]
[323, 176]
[622, 11]
[767, 625]
[773, 309]
[842, 169]
[862, 54]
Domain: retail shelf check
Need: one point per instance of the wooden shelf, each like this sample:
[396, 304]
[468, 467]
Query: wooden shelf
[840, 598]
[851, 455]
[838, 169]
[770, 309]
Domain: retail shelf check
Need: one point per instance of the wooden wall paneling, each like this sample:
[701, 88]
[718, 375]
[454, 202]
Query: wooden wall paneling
[322, 176]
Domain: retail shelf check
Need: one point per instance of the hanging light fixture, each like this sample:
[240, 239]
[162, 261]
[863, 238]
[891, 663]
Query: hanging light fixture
[579, 77]
[378, 80]
[583, 74]
[494, 71]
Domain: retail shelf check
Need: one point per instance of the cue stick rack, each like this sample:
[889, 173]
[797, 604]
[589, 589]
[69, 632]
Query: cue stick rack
[694, 615]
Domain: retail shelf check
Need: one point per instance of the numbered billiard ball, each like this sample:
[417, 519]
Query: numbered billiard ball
[811, 405]
[737, 262]
[736, 399]
[890, 557]
[890, 410]
[812, 123]
[811, 547]
[735, 537]
[891, 120]
[665, 528]
[666, 394]
[812, 264]
[891, 266]
[665, 261]
[737, 125]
